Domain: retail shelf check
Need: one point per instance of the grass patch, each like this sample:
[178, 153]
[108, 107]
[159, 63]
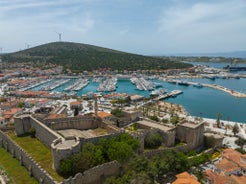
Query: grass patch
[15, 172]
[38, 151]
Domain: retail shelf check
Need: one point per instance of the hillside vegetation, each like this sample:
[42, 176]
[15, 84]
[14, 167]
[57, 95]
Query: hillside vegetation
[79, 57]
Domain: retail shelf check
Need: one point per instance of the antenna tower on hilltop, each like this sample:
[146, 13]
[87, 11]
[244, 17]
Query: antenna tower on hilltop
[59, 35]
[27, 45]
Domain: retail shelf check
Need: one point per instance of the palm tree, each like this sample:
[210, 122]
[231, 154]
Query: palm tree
[219, 115]
[227, 126]
[159, 107]
[235, 129]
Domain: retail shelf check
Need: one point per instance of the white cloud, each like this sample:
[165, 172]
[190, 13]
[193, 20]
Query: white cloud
[204, 26]
[181, 16]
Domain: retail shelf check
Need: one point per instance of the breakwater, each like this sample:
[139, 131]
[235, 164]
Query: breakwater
[214, 86]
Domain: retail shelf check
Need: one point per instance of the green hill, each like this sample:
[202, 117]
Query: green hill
[79, 57]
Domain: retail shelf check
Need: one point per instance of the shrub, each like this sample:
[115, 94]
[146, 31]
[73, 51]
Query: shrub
[152, 141]
[154, 118]
[32, 132]
[117, 112]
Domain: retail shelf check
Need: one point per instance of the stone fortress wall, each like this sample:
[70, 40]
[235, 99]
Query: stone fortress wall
[79, 123]
[191, 133]
[64, 147]
[64, 150]
[24, 123]
[96, 174]
[168, 136]
[26, 160]
[92, 176]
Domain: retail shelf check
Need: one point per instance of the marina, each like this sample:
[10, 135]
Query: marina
[35, 85]
[142, 84]
[196, 98]
[108, 85]
[56, 84]
[78, 85]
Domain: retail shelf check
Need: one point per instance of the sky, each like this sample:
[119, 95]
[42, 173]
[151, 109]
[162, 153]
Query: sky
[148, 27]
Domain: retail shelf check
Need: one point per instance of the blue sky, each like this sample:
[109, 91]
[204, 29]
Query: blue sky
[149, 27]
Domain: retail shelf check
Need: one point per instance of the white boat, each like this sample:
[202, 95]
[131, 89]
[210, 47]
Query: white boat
[157, 92]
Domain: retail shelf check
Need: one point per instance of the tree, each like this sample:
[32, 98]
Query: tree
[165, 120]
[21, 104]
[154, 118]
[174, 120]
[134, 143]
[96, 152]
[219, 115]
[235, 129]
[201, 176]
[119, 151]
[153, 140]
[117, 112]
[227, 126]
[76, 111]
[32, 132]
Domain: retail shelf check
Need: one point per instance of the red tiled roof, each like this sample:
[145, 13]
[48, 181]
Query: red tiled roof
[227, 165]
[239, 179]
[12, 111]
[102, 114]
[185, 178]
[75, 103]
[234, 156]
[215, 178]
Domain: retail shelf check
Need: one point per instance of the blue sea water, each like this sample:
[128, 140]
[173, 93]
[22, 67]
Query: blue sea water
[205, 102]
